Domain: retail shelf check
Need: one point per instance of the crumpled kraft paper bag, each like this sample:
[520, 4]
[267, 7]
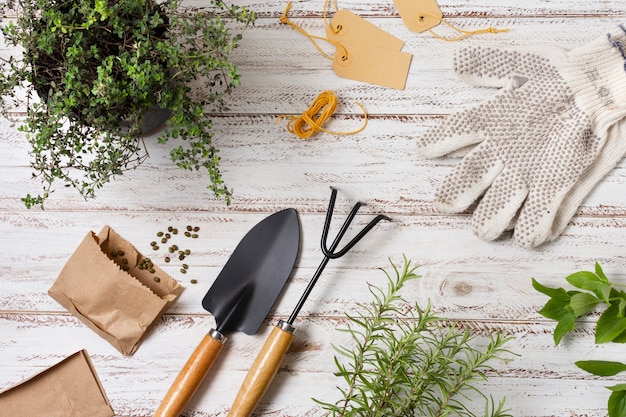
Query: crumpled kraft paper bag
[70, 388]
[120, 305]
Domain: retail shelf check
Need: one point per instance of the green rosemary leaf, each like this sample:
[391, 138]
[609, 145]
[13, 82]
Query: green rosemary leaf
[415, 364]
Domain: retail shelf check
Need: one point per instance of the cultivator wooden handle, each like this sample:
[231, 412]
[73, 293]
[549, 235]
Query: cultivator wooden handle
[192, 374]
[263, 370]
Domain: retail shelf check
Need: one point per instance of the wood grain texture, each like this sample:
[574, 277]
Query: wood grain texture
[484, 286]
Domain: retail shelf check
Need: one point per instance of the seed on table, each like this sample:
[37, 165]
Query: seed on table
[155, 247]
[170, 228]
[185, 266]
[159, 234]
[174, 231]
[164, 240]
[153, 243]
[195, 229]
[183, 271]
[194, 236]
[194, 281]
[189, 228]
[188, 234]
[181, 257]
[175, 247]
[187, 252]
[167, 259]
[167, 236]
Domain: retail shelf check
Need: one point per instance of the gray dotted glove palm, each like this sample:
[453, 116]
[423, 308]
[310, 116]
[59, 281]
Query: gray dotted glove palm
[537, 138]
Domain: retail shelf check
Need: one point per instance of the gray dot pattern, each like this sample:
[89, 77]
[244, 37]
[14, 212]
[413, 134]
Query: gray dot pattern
[533, 145]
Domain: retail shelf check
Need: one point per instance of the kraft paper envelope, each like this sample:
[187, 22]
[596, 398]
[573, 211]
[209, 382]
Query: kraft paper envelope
[70, 388]
[105, 286]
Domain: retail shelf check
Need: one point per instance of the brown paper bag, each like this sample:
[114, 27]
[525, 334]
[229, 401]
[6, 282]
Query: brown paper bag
[104, 285]
[70, 388]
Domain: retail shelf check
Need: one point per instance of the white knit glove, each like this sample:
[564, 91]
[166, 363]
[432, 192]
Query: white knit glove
[540, 135]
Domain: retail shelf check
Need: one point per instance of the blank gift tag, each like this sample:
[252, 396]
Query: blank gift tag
[419, 15]
[372, 64]
[345, 26]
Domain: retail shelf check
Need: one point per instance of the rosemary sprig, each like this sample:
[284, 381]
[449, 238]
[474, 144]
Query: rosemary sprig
[406, 363]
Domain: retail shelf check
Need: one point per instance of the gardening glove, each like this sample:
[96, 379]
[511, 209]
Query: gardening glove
[611, 154]
[537, 137]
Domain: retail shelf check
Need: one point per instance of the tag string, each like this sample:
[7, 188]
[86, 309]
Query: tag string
[284, 19]
[464, 33]
[311, 121]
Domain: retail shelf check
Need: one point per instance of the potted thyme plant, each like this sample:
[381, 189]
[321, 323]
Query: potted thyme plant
[97, 76]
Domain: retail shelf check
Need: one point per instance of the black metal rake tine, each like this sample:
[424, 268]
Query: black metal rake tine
[329, 253]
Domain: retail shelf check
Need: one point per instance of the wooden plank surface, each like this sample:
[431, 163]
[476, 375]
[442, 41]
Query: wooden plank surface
[485, 286]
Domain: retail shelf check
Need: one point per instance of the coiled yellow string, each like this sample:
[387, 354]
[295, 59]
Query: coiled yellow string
[311, 121]
[464, 33]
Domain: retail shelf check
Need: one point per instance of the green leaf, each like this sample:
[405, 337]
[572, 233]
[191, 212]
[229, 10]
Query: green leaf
[600, 273]
[556, 293]
[610, 325]
[602, 368]
[565, 325]
[585, 280]
[582, 303]
[617, 401]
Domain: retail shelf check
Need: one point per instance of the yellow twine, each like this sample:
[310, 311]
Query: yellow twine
[284, 19]
[311, 121]
[464, 33]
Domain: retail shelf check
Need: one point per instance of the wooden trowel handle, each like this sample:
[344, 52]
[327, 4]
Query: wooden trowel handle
[192, 374]
[263, 370]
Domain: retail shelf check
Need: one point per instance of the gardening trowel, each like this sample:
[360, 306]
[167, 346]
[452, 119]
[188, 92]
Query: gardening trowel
[240, 298]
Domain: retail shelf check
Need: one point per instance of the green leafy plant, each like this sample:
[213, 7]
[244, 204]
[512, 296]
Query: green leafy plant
[93, 71]
[409, 365]
[593, 291]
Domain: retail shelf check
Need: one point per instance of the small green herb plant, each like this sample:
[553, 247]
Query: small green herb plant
[413, 365]
[593, 291]
[92, 71]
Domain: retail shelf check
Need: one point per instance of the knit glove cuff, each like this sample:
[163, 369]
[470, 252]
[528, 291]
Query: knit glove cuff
[596, 73]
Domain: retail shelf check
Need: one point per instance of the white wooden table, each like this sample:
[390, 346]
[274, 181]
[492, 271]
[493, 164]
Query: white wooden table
[485, 286]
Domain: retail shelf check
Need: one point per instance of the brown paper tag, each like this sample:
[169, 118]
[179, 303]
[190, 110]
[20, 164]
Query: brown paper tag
[120, 305]
[419, 15]
[372, 64]
[345, 26]
[70, 388]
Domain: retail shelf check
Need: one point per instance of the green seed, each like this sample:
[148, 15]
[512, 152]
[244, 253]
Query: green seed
[187, 252]
[185, 266]
[159, 234]
[155, 247]
[153, 243]
[183, 270]
[164, 240]
[157, 279]
[195, 236]
[194, 281]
